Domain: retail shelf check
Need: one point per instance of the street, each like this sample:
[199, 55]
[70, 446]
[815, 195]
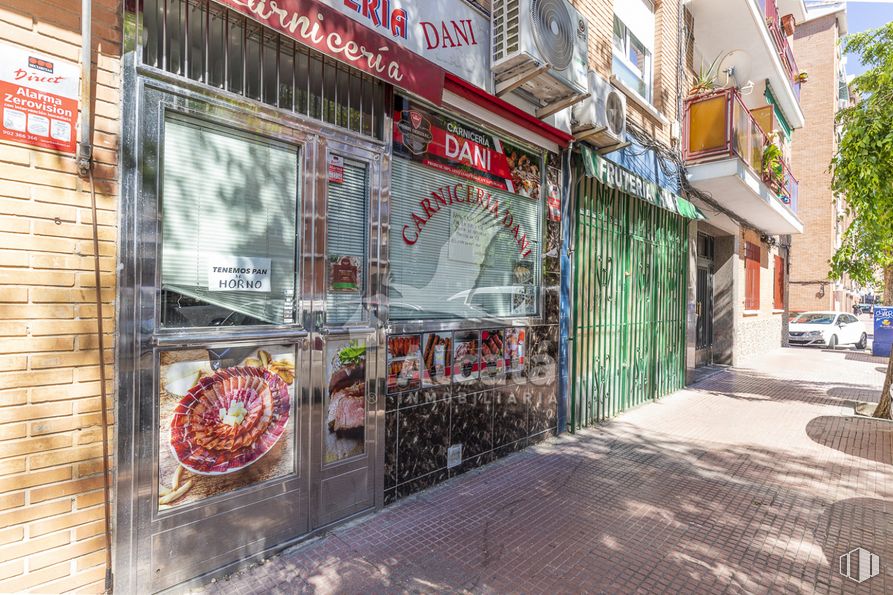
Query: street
[754, 480]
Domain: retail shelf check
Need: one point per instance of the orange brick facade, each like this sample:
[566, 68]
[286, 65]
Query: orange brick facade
[51, 497]
[815, 44]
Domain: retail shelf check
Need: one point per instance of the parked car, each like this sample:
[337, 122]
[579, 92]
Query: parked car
[827, 328]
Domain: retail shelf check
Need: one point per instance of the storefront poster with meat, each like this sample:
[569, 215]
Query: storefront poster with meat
[514, 349]
[437, 358]
[225, 420]
[466, 356]
[454, 147]
[344, 432]
[404, 365]
[492, 353]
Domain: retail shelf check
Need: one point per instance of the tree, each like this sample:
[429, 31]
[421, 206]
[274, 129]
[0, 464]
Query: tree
[862, 171]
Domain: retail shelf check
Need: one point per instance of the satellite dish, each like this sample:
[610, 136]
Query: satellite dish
[734, 67]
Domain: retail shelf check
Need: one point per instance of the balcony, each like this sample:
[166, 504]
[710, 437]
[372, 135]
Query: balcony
[747, 35]
[723, 150]
[782, 45]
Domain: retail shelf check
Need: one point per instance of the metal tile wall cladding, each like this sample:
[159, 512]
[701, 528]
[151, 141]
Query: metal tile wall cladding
[630, 268]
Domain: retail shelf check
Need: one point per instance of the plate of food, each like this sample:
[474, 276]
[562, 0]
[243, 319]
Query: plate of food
[229, 420]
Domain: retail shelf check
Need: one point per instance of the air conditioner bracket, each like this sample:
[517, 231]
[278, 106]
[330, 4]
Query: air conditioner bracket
[509, 85]
[557, 106]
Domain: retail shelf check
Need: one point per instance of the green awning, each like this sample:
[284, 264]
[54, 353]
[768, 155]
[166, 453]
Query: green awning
[779, 115]
[614, 176]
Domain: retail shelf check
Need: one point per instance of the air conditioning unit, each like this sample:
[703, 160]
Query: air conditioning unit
[542, 48]
[601, 118]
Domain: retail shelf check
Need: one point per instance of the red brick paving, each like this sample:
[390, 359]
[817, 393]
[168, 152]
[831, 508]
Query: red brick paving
[753, 481]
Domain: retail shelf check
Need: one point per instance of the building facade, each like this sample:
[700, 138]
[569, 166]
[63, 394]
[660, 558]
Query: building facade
[741, 114]
[817, 42]
[52, 534]
[350, 250]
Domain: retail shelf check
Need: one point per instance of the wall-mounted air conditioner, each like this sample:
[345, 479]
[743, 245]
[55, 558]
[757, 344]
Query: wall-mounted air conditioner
[540, 47]
[600, 119]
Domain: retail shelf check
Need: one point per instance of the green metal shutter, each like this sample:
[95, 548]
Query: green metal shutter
[630, 271]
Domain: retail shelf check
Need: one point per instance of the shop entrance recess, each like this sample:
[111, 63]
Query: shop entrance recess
[630, 263]
[250, 373]
[704, 301]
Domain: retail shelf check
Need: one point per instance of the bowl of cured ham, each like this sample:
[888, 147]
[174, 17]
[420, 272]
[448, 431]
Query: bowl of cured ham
[229, 420]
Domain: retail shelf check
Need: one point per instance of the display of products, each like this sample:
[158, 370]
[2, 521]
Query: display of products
[437, 358]
[404, 366]
[514, 349]
[492, 356]
[466, 356]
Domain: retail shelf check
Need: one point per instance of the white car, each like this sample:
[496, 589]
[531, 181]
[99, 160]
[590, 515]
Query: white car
[827, 328]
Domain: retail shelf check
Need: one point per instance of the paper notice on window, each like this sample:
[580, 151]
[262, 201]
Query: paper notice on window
[238, 273]
[469, 237]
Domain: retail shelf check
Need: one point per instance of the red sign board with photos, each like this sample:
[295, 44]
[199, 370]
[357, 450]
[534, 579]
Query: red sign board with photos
[454, 147]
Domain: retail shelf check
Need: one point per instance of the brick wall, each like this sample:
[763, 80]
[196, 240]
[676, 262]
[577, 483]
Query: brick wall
[600, 14]
[815, 47]
[51, 498]
[757, 331]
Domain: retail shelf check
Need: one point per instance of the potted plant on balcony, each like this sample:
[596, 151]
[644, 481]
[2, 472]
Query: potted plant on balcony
[773, 167]
[705, 79]
[789, 24]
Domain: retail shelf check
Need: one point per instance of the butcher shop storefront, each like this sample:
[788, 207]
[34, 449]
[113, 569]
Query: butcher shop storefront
[339, 278]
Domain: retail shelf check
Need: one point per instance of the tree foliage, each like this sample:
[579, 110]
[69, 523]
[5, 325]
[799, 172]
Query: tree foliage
[863, 166]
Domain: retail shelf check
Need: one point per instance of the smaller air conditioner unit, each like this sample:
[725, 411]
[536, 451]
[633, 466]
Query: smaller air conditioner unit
[540, 47]
[600, 119]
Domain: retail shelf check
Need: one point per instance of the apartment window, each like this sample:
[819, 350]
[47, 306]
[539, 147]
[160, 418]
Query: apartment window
[779, 283]
[634, 44]
[751, 276]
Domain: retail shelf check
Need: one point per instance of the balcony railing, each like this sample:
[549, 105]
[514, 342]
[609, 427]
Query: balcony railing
[718, 125]
[780, 40]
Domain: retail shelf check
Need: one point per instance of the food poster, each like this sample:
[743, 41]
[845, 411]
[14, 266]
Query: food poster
[492, 355]
[404, 367]
[344, 431]
[437, 357]
[225, 420]
[466, 356]
[514, 349]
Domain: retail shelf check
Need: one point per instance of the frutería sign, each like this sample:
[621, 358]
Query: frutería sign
[334, 34]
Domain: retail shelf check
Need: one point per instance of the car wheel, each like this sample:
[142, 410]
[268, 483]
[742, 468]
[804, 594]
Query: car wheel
[863, 342]
[832, 343]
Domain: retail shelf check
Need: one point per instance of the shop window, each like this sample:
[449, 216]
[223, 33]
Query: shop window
[751, 276]
[229, 205]
[466, 222]
[779, 283]
[633, 44]
[346, 240]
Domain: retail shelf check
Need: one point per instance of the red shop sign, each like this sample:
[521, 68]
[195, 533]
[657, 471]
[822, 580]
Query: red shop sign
[336, 35]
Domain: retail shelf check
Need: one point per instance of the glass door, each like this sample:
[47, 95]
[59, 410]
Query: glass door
[345, 406]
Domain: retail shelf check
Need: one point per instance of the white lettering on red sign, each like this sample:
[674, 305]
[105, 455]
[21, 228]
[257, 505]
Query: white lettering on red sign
[38, 99]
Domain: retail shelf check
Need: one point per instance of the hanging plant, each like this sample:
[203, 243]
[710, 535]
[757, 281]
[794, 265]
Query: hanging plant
[773, 166]
[802, 77]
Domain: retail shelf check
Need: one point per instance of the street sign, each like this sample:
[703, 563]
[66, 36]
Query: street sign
[883, 331]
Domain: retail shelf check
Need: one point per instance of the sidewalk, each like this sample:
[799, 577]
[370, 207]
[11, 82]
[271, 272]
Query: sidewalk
[753, 481]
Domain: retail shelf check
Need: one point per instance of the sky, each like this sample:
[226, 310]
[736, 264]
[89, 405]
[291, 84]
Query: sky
[862, 16]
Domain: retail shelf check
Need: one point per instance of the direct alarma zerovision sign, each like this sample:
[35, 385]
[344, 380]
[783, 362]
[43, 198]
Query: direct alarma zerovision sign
[39, 99]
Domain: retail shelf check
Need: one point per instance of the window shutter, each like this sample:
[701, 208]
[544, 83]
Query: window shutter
[434, 279]
[779, 283]
[228, 194]
[346, 225]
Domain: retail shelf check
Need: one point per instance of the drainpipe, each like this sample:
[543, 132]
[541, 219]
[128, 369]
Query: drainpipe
[85, 170]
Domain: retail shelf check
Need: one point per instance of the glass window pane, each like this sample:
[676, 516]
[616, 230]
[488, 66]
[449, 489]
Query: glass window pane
[346, 225]
[466, 261]
[229, 204]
